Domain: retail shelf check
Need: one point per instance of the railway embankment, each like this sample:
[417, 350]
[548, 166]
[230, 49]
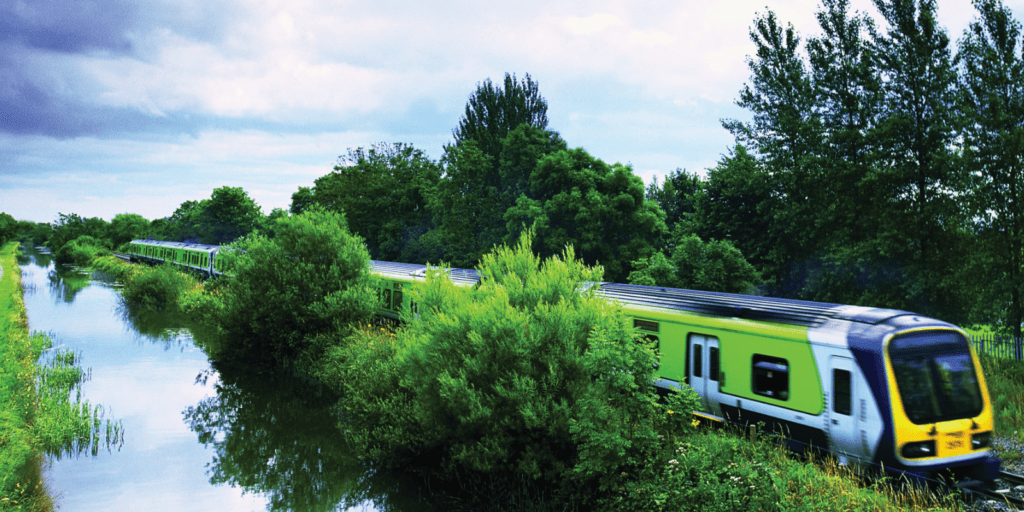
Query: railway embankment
[38, 417]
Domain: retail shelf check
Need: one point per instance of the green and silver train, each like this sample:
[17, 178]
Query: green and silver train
[872, 386]
[875, 387]
[196, 257]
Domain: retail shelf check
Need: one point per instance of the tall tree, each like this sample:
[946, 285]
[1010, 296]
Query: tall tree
[598, 208]
[302, 199]
[677, 197]
[477, 191]
[916, 181]
[992, 99]
[8, 228]
[737, 204]
[384, 191]
[228, 215]
[125, 227]
[847, 86]
[493, 112]
[786, 134]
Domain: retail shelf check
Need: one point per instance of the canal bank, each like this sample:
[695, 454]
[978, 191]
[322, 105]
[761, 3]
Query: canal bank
[21, 486]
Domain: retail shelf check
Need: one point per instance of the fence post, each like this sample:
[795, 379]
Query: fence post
[1017, 352]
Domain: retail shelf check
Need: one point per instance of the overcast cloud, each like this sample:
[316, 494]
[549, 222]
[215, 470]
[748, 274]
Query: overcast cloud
[109, 106]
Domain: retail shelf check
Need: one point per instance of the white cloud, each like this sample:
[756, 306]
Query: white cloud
[591, 24]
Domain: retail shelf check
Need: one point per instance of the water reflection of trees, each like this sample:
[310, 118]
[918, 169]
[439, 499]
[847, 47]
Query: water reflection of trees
[157, 326]
[65, 283]
[275, 435]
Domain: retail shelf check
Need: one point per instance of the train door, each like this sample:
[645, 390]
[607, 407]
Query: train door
[842, 421]
[704, 371]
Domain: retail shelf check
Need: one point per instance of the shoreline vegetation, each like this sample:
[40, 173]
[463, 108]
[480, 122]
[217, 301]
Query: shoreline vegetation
[38, 418]
[445, 389]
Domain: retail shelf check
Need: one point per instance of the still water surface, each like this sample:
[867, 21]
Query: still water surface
[196, 437]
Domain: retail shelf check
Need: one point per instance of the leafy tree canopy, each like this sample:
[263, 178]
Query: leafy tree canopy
[714, 266]
[227, 215]
[493, 112]
[311, 279]
[992, 101]
[599, 209]
[384, 192]
[125, 227]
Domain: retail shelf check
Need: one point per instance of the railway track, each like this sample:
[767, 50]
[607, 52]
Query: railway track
[1004, 495]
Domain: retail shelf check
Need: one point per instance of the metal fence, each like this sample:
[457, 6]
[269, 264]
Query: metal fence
[999, 346]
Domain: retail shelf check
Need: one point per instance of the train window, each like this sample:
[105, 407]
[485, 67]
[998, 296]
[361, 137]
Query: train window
[645, 325]
[397, 305]
[841, 392]
[387, 298]
[770, 377]
[698, 358]
[713, 363]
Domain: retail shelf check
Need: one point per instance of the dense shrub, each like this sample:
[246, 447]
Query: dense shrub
[312, 278]
[158, 287]
[81, 251]
[529, 374]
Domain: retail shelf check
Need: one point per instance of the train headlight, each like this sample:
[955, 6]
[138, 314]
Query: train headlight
[981, 440]
[919, 450]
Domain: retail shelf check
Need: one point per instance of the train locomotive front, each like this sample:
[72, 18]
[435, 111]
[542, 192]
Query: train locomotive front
[931, 392]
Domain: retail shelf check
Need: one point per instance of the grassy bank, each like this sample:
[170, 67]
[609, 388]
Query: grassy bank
[21, 486]
[1005, 380]
[37, 416]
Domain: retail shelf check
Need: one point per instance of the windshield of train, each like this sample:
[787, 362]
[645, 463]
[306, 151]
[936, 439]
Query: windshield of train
[935, 376]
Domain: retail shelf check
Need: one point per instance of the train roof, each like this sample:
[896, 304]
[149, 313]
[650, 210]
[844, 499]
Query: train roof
[457, 275]
[178, 245]
[752, 307]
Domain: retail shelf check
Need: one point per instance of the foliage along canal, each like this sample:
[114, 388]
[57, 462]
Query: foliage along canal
[196, 437]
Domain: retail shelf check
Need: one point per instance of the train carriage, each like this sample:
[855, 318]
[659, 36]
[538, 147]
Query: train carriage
[197, 257]
[875, 387]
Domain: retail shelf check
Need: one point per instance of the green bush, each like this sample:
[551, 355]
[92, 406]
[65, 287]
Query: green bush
[529, 374]
[81, 251]
[312, 279]
[158, 287]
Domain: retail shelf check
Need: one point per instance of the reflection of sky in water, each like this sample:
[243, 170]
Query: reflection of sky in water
[148, 376]
[146, 383]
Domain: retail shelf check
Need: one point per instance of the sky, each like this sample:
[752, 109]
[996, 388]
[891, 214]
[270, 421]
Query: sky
[118, 106]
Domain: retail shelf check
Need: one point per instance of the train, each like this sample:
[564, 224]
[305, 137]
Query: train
[874, 387]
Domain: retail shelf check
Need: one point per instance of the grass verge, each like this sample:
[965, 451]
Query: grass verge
[37, 416]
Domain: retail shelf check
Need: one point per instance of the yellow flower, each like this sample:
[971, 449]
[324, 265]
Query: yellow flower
[695, 422]
[670, 411]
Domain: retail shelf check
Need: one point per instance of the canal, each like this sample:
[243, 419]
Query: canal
[196, 436]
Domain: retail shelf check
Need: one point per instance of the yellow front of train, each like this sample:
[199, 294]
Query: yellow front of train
[941, 411]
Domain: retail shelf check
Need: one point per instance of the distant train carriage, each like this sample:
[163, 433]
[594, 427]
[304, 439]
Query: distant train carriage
[198, 257]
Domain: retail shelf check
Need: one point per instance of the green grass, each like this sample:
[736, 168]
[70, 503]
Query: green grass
[37, 416]
[1005, 380]
[21, 486]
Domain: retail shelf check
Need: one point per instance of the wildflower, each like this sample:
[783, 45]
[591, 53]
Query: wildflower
[670, 411]
[695, 423]
[673, 462]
